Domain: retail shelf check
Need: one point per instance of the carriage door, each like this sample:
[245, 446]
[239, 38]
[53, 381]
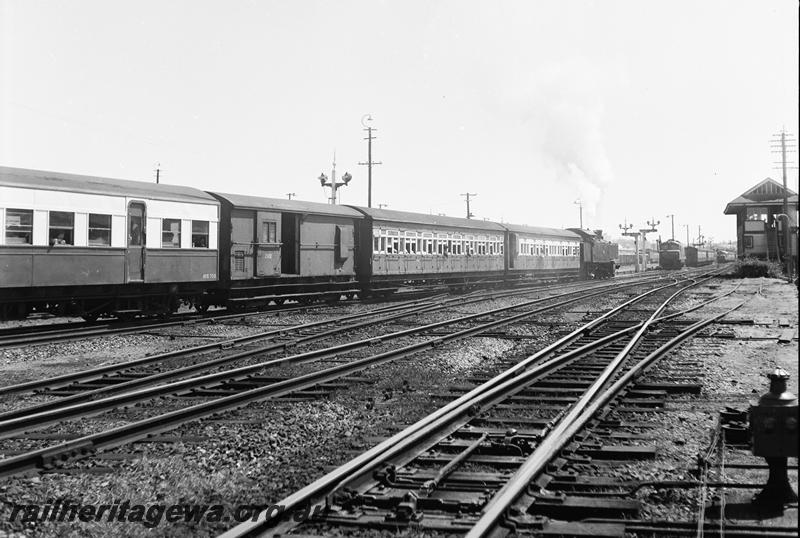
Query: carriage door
[136, 241]
[242, 239]
[268, 259]
[511, 249]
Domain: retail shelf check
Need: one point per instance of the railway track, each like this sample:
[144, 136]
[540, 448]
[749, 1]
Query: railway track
[30, 335]
[502, 458]
[231, 389]
[129, 374]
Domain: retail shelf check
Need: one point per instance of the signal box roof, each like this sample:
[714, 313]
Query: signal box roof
[58, 181]
[287, 206]
[767, 193]
[388, 215]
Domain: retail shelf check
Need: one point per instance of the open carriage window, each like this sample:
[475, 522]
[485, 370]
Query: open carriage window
[62, 228]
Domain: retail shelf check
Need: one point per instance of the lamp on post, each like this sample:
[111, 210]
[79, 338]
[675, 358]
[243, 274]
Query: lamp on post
[333, 184]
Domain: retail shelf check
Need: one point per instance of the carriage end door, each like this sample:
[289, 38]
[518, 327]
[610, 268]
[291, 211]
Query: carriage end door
[135, 255]
[268, 261]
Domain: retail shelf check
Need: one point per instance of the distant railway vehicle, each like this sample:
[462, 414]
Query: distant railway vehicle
[91, 247]
[725, 256]
[599, 257]
[671, 254]
[647, 259]
[698, 257]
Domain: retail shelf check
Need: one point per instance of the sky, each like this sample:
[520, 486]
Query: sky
[638, 108]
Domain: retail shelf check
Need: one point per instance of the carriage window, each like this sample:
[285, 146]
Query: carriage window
[170, 233]
[200, 233]
[392, 243]
[62, 227]
[269, 231]
[99, 230]
[19, 226]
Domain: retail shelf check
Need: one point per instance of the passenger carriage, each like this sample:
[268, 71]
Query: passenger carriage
[699, 257]
[91, 246]
[543, 252]
[398, 247]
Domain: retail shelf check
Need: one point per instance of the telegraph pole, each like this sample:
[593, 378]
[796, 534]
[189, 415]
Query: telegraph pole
[158, 172]
[672, 217]
[635, 236]
[369, 162]
[467, 195]
[580, 210]
[787, 233]
[290, 194]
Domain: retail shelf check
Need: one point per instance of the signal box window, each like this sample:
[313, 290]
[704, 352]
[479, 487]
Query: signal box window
[170, 233]
[62, 228]
[200, 234]
[19, 226]
[99, 230]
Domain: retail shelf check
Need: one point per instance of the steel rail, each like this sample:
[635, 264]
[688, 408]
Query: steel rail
[100, 372]
[83, 396]
[580, 413]
[153, 425]
[512, 379]
[44, 336]
[53, 412]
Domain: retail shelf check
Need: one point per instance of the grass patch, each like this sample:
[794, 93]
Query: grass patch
[753, 268]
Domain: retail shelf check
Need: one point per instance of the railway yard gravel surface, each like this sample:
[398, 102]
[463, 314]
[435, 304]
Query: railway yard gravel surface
[269, 449]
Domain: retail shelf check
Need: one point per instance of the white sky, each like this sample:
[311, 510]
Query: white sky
[640, 108]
